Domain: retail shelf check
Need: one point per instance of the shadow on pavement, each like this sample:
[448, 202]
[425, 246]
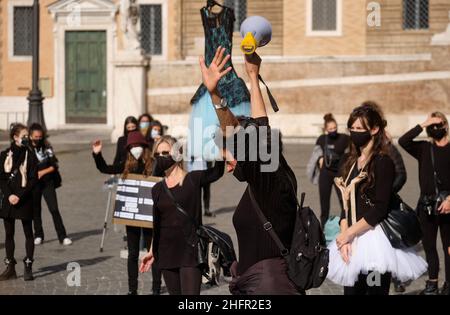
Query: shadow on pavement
[78, 236]
[46, 271]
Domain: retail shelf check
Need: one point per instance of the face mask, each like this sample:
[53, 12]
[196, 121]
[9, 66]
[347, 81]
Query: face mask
[155, 133]
[238, 173]
[25, 142]
[437, 132]
[136, 152]
[333, 134]
[360, 139]
[38, 143]
[144, 125]
[163, 163]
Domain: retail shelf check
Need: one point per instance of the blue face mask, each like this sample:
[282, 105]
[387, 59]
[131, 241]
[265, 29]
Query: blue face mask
[144, 125]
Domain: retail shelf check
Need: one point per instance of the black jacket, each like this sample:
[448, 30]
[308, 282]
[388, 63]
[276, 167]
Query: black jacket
[12, 185]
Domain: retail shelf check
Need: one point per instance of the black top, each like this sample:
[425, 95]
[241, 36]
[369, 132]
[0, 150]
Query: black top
[373, 203]
[121, 151]
[12, 185]
[333, 150]
[274, 192]
[116, 168]
[400, 170]
[171, 228]
[420, 150]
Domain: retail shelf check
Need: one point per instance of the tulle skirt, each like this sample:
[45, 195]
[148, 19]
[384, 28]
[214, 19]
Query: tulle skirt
[203, 124]
[372, 251]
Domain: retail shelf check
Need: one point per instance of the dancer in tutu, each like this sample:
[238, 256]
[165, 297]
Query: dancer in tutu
[362, 258]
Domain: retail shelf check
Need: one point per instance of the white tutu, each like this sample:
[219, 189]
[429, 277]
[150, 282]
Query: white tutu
[372, 251]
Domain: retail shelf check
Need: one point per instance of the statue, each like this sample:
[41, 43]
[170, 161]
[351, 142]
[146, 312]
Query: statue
[129, 11]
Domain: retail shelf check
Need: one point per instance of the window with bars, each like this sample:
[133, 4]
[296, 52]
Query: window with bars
[151, 28]
[415, 14]
[240, 11]
[324, 15]
[22, 31]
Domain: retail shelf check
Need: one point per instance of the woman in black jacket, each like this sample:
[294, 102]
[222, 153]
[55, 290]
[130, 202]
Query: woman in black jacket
[424, 152]
[362, 259]
[138, 161]
[18, 176]
[173, 231]
[48, 180]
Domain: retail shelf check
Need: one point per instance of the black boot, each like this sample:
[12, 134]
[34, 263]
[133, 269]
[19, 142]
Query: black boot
[399, 287]
[445, 289]
[10, 272]
[431, 288]
[28, 270]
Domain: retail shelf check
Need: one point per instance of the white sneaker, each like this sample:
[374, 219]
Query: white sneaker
[38, 241]
[67, 241]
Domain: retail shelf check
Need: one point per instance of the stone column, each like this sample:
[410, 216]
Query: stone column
[130, 88]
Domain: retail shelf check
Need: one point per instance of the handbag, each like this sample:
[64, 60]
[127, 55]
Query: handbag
[440, 195]
[214, 248]
[402, 226]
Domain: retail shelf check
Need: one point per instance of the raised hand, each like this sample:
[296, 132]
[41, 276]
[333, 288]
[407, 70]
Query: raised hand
[431, 121]
[252, 65]
[97, 146]
[211, 75]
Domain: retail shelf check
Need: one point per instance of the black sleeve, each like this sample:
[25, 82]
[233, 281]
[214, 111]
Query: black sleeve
[4, 176]
[104, 168]
[211, 175]
[384, 179]
[400, 170]
[32, 176]
[407, 142]
[53, 160]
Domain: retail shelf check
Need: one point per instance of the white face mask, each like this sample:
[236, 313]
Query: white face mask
[136, 152]
[155, 133]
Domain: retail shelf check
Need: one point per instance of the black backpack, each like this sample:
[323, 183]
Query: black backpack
[308, 256]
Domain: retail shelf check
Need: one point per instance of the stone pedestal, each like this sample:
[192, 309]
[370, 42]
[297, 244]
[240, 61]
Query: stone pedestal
[130, 88]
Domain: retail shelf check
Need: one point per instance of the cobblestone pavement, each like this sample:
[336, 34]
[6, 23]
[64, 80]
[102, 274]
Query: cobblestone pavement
[82, 202]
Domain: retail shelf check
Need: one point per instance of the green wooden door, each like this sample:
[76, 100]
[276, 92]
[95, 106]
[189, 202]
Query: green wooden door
[85, 77]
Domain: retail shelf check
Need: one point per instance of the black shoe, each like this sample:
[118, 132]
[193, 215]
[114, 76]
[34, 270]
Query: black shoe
[431, 288]
[10, 272]
[399, 287]
[28, 269]
[445, 289]
[132, 293]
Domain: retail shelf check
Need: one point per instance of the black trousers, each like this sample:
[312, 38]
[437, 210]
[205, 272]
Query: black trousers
[207, 192]
[362, 287]
[48, 191]
[133, 241]
[326, 183]
[183, 281]
[430, 225]
[10, 245]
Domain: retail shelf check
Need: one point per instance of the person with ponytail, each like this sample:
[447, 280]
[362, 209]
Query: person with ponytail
[362, 259]
[174, 232]
[138, 161]
[18, 177]
[333, 145]
[434, 180]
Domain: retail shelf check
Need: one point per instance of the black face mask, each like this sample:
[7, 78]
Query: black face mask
[360, 139]
[437, 132]
[163, 163]
[38, 143]
[238, 173]
[25, 142]
[333, 135]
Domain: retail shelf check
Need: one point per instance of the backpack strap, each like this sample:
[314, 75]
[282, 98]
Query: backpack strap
[267, 226]
[435, 177]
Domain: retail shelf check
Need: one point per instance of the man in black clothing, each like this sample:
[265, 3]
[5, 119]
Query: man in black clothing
[434, 177]
[257, 160]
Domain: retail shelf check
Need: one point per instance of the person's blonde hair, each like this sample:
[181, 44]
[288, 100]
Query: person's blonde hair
[443, 118]
[172, 142]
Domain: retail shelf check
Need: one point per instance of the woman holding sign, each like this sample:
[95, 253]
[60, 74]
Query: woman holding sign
[138, 161]
[172, 229]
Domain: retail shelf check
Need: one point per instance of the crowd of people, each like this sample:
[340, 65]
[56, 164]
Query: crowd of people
[365, 168]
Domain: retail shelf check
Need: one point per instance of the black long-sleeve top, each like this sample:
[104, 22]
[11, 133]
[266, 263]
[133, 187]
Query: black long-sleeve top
[373, 203]
[103, 167]
[172, 229]
[121, 151]
[400, 169]
[421, 151]
[275, 193]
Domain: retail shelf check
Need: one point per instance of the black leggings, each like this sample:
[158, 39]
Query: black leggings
[326, 182]
[207, 191]
[47, 190]
[430, 225]
[363, 287]
[10, 245]
[183, 281]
